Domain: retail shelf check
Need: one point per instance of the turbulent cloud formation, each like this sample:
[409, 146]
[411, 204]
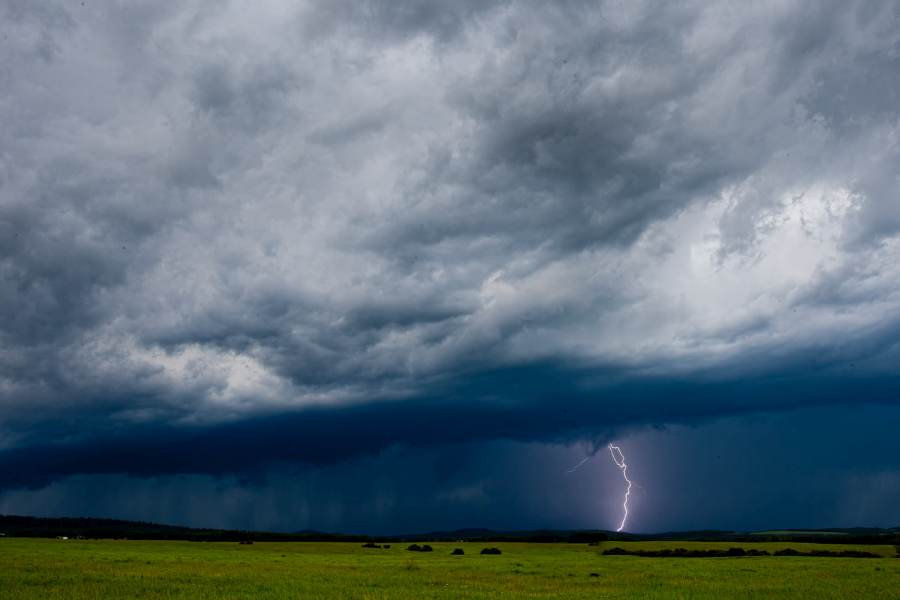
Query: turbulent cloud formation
[304, 232]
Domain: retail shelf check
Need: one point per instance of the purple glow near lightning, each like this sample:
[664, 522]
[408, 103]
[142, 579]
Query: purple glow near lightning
[619, 459]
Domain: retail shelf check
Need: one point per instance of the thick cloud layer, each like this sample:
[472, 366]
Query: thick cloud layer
[300, 233]
[814, 467]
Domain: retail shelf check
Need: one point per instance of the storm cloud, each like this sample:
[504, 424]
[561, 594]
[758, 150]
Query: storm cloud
[303, 233]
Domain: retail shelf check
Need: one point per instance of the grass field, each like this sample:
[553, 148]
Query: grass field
[49, 569]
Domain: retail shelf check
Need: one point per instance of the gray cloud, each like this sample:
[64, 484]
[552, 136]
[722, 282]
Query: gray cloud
[211, 215]
[396, 21]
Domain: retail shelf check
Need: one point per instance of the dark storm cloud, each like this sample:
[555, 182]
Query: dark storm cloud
[815, 467]
[305, 234]
[538, 403]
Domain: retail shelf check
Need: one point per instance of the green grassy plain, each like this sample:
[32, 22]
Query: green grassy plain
[75, 569]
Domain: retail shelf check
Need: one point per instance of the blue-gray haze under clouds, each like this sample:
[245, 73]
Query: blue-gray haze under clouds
[398, 265]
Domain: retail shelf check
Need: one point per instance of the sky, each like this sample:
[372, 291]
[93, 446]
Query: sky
[396, 266]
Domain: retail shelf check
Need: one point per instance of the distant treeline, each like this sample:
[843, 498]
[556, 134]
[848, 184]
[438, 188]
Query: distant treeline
[831, 536]
[854, 535]
[88, 528]
[698, 553]
[486, 535]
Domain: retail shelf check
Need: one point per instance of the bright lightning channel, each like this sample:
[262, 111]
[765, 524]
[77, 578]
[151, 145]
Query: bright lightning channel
[619, 459]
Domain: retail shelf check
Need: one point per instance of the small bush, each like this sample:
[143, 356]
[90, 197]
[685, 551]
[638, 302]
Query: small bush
[418, 548]
[734, 551]
[591, 538]
[853, 554]
[371, 545]
[491, 551]
[387, 546]
[457, 552]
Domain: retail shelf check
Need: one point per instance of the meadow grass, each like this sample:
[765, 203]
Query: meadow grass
[78, 569]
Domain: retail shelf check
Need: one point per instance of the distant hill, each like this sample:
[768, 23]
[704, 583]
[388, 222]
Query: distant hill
[90, 528]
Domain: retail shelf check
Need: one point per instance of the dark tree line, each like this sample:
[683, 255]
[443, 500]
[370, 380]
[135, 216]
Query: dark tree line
[735, 552]
[16, 526]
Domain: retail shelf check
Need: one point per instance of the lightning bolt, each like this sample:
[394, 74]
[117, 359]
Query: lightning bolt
[583, 460]
[619, 459]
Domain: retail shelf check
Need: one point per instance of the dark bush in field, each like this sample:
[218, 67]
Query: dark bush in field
[838, 553]
[386, 546]
[733, 552]
[843, 553]
[457, 552]
[418, 548]
[591, 538]
[371, 545]
[491, 551]
[685, 553]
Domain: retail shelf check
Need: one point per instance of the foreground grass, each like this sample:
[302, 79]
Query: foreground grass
[49, 569]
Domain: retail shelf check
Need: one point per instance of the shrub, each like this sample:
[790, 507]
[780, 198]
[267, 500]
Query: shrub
[491, 551]
[457, 552]
[735, 551]
[371, 545]
[685, 553]
[592, 538]
[859, 554]
[418, 548]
